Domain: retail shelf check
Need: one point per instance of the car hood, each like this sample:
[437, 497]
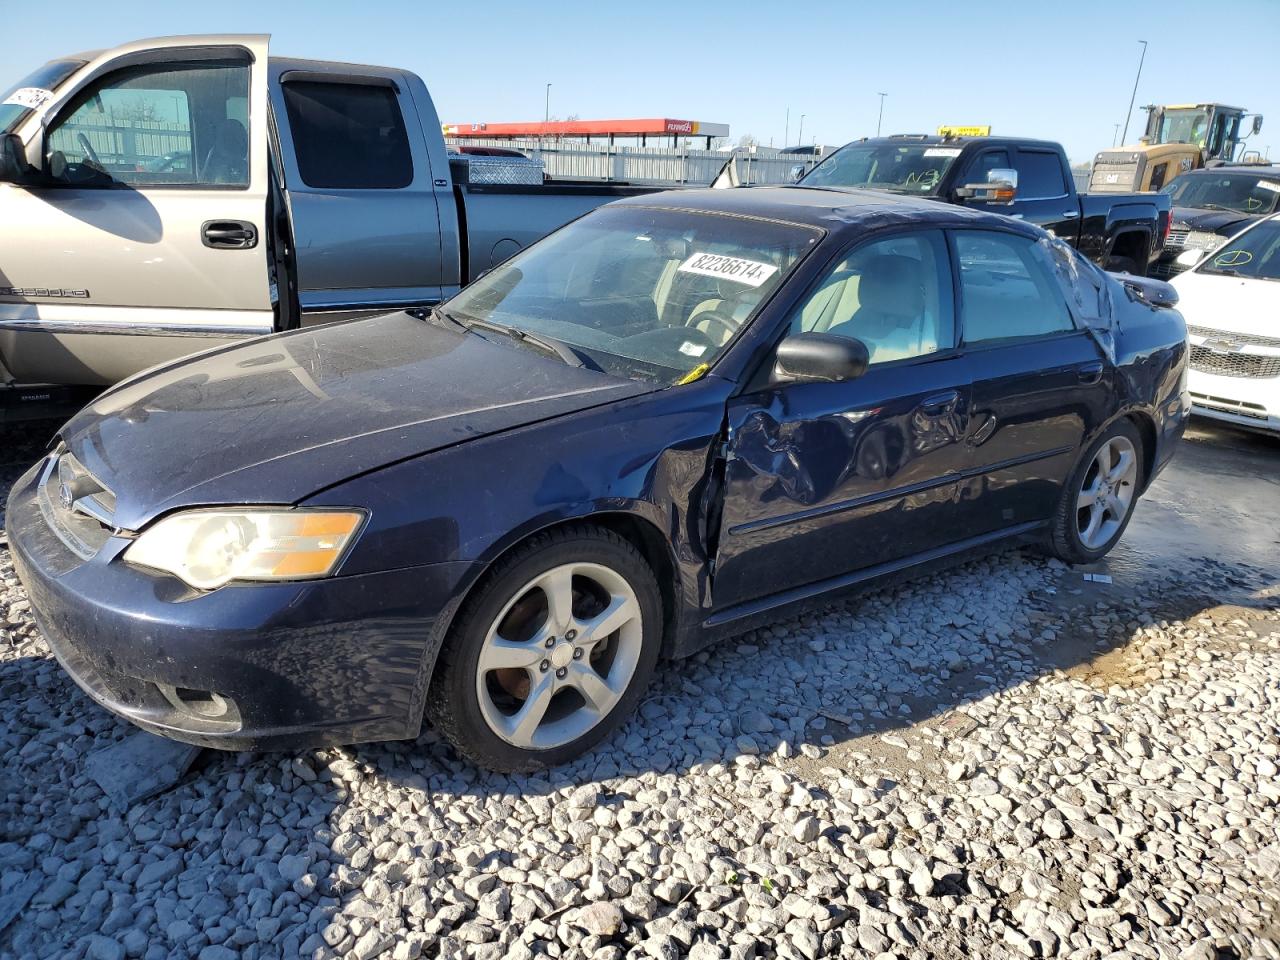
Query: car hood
[1225, 222]
[1229, 304]
[278, 418]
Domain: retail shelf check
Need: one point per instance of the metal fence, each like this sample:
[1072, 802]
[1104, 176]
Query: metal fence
[576, 160]
[123, 142]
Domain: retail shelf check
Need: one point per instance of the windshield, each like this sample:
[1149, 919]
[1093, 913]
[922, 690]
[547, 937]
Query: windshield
[1242, 192]
[915, 168]
[1254, 254]
[27, 92]
[639, 292]
[1183, 126]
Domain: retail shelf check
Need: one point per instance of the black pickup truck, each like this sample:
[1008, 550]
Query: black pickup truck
[1027, 179]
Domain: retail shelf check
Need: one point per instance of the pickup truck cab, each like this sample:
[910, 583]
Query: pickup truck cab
[175, 194]
[1026, 179]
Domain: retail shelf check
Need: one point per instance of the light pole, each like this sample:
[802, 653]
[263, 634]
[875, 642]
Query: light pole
[1124, 138]
[1115, 135]
[881, 117]
[786, 136]
[800, 136]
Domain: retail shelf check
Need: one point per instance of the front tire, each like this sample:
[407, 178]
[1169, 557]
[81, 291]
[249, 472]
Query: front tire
[1098, 499]
[551, 653]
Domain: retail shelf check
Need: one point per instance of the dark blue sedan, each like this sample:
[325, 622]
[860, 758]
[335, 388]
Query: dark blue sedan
[660, 425]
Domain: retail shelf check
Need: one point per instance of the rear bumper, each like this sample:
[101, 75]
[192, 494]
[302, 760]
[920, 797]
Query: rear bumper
[246, 667]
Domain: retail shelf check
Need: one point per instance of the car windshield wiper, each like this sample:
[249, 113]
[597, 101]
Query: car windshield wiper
[559, 348]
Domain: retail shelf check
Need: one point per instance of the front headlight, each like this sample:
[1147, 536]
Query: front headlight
[208, 548]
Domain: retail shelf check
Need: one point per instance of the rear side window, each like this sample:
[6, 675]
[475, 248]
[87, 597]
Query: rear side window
[1039, 175]
[1007, 289]
[348, 135]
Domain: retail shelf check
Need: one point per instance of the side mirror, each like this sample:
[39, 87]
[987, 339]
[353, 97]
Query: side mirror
[1189, 258]
[1257, 123]
[1001, 187]
[820, 357]
[797, 172]
[13, 160]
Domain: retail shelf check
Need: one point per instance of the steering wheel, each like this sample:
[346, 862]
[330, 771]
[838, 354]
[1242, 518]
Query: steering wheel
[722, 326]
[91, 153]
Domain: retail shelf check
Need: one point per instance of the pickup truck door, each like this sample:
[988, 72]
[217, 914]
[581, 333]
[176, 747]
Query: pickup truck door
[146, 238]
[362, 186]
[1044, 196]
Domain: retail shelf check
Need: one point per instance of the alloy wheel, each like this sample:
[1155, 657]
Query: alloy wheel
[559, 656]
[1107, 492]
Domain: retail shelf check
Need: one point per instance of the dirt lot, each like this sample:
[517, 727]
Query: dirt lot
[1005, 760]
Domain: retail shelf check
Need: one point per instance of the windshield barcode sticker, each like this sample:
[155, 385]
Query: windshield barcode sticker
[1269, 185]
[33, 98]
[942, 152]
[751, 272]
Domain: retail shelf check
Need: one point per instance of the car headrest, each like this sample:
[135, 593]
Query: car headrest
[892, 284]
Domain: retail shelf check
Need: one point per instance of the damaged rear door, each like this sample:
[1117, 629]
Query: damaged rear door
[822, 479]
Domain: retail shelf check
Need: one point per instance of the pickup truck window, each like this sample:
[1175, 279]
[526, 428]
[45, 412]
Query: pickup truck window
[894, 295]
[348, 135]
[1039, 175]
[984, 163]
[1006, 289]
[914, 168]
[647, 293]
[156, 126]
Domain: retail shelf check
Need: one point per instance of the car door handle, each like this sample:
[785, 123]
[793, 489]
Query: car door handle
[229, 234]
[1070, 214]
[1089, 372]
[936, 404]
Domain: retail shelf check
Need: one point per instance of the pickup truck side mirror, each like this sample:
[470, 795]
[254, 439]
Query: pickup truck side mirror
[819, 358]
[13, 160]
[797, 171]
[1001, 187]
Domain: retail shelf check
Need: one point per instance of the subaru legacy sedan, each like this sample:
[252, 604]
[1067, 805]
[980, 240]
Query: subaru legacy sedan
[667, 422]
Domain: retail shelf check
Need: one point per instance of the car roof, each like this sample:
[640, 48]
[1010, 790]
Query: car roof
[933, 139]
[1262, 169]
[836, 210]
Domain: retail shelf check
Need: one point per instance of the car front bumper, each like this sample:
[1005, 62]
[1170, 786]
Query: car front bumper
[1251, 403]
[245, 667]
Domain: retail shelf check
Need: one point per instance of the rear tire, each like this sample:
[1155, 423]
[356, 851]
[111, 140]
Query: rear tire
[1099, 496]
[551, 652]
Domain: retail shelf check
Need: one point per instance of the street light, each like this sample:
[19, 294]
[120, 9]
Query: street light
[881, 117]
[1125, 137]
[800, 137]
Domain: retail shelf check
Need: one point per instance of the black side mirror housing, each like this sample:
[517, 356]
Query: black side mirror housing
[819, 358]
[13, 164]
[13, 161]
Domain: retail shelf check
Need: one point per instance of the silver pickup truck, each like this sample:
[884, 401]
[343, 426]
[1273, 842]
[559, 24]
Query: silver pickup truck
[169, 195]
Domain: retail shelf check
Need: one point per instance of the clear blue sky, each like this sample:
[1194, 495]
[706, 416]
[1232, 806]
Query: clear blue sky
[1058, 70]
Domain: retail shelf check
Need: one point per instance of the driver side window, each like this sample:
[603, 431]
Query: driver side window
[156, 126]
[894, 295]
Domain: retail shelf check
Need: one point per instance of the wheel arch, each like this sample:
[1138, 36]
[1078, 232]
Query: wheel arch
[638, 530]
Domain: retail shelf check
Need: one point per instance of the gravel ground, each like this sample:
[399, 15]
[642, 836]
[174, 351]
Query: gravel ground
[1005, 760]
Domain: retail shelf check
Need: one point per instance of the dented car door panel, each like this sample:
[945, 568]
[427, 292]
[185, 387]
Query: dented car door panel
[823, 479]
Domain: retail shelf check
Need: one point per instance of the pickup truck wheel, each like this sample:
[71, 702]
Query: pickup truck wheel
[1122, 265]
[1098, 499]
[551, 653]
